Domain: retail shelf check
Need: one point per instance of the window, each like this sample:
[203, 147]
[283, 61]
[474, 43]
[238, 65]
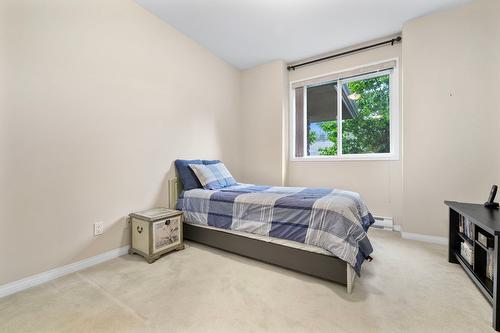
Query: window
[346, 115]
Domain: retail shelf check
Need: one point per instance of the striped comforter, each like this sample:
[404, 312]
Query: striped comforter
[334, 220]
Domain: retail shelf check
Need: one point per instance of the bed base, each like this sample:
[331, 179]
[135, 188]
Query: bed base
[316, 264]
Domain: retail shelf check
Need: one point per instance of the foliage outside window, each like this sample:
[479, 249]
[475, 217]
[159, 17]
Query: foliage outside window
[361, 128]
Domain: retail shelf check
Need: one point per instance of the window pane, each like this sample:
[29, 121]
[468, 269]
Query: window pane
[322, 120]
[365, 116]
[299, 122]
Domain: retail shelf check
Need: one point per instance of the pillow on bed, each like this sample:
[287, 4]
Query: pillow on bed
[208, 162]
[213, 176]
[186, 174]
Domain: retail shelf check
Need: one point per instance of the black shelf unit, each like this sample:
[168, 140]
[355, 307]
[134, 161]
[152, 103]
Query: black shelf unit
[486, 222]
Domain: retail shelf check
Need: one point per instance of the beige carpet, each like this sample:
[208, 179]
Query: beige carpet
[409, 287]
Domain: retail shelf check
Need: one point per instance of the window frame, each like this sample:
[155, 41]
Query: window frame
[394, 130]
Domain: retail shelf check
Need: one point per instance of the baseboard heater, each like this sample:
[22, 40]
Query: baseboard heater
[381, 222]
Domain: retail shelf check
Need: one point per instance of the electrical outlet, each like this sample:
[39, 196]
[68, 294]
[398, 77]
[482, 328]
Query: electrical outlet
[98, 228]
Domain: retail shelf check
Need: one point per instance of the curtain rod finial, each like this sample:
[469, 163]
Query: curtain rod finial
[395, 40]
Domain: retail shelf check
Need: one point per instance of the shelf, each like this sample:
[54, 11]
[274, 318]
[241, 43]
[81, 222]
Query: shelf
[465, 238]
[486, 222]
[486, 219]
[482, 282]
[487, 283]
[482, 246]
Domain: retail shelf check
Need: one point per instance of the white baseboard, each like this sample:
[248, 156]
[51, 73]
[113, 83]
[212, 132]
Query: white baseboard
[34, 280]
[425, 238]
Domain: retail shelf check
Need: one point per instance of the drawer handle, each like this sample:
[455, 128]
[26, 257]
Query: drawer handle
[139, 229]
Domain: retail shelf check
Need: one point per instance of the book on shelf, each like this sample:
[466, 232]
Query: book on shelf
[489, 264]
[465, 227]
[467, 252]
[484, 240]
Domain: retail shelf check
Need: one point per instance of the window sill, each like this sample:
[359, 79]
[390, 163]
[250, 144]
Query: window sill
[370, 157]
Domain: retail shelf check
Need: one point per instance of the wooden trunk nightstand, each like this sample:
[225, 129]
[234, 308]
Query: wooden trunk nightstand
[155, 232]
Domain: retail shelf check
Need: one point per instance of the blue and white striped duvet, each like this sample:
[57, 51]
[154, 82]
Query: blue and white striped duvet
[334, 220]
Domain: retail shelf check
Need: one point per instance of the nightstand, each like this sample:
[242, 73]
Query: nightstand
[155, 232]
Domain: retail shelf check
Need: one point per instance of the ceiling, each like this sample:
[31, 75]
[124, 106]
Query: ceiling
[246, 33]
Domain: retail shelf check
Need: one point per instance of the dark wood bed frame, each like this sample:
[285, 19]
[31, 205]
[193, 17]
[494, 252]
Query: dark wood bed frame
[316, 264]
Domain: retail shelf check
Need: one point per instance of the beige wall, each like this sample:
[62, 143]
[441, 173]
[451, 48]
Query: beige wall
[449, 74]
[3, 132]
[451, 112]
[378, 182]
[102, 96]
[264, 97]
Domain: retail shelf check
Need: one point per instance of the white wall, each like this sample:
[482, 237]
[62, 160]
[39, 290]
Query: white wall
[264, 98]
[102, 96]
[451, 112]
[378, 182]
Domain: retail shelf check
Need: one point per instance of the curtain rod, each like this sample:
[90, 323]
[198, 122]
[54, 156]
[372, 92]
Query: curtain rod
[390, 41]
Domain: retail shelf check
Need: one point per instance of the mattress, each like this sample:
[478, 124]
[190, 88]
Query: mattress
[333, 220]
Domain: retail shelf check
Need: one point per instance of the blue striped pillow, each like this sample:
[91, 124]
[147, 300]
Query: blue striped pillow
[213, 176]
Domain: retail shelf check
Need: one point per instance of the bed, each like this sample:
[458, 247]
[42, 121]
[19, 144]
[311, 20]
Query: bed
[242, 219]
